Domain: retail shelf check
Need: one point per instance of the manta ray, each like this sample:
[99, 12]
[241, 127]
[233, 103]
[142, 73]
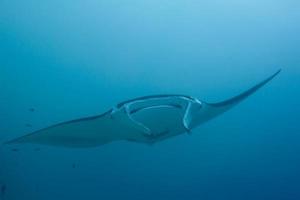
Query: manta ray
[147, 119]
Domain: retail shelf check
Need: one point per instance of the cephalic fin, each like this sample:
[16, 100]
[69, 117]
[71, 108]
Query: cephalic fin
[138, 125]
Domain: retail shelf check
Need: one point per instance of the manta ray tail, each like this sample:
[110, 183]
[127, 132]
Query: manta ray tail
[237, 99]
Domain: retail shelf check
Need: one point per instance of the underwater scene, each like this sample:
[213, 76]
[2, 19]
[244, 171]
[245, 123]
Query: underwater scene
[150, 100]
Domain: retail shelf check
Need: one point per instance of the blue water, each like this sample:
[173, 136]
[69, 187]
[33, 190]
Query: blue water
[71, 59]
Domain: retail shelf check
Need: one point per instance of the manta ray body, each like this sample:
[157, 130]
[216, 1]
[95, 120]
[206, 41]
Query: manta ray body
[146, 119]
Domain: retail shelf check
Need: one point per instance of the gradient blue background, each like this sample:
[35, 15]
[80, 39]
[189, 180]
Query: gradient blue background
[69, 59]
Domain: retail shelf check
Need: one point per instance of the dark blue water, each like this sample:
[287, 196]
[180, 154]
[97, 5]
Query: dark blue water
[70, 59]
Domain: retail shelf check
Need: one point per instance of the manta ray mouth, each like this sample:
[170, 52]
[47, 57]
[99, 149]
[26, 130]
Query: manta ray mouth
[156, 106]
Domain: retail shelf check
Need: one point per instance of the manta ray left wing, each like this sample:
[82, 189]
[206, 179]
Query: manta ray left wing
[136, 120]
[82, 132]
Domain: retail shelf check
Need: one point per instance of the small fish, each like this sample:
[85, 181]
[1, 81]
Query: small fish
[74, 165]
[28, 125]
[3, 190]
[15, 149]
[31, 109]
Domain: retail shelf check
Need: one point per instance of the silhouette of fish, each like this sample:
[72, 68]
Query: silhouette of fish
[3, 190]
[28, 125]
[15, 149]
[147, 119]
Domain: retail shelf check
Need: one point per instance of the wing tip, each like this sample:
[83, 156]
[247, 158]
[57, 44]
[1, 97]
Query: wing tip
[233, 101]
[9, 142]
[277, 72]
[13, 141]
